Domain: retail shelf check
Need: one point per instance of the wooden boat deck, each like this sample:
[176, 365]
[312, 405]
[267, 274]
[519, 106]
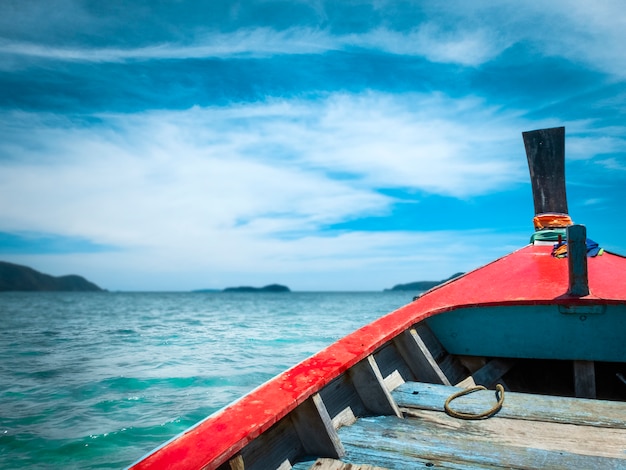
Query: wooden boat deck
[530, 432]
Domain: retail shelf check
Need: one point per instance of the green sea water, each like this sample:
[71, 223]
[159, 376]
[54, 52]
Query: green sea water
[97, 380]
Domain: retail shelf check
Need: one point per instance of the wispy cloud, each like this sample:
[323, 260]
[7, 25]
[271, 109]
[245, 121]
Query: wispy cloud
[612, 164]
[454, 33]
[469, 47]
[307, 124]
[461, 47]
[260, 42]
[247, 186]
[593, 144]
[588, 33]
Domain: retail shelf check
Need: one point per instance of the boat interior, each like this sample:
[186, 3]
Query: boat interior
[518, 364]
[389, 412]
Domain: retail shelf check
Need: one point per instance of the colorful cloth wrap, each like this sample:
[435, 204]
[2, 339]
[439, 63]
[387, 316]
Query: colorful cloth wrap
[551, 220]
[593, 249]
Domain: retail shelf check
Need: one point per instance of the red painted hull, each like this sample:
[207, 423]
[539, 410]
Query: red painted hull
[530, 276]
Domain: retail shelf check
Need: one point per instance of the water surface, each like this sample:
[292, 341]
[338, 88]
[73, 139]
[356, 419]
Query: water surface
[96, 380]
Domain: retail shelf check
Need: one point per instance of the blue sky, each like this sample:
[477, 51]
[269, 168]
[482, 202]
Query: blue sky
[354, 145]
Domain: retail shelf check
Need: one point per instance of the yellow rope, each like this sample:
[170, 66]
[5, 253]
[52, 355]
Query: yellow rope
[486, 414]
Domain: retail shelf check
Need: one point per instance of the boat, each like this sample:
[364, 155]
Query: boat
[520, 363]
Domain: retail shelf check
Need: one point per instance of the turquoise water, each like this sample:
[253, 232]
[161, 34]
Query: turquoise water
[97, 380]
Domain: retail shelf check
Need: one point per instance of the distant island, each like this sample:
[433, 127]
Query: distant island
[15, 277]
[422, 285]
[270, 288]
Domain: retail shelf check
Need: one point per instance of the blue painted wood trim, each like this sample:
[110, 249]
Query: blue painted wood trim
[594, 333]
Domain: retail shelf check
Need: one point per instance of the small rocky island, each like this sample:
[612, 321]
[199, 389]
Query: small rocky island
[422, 285]
[15, 277]
[269, 288]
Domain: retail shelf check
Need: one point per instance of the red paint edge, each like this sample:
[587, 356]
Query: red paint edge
[527, 276]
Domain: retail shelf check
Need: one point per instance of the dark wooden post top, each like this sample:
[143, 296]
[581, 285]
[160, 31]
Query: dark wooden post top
[545, 150]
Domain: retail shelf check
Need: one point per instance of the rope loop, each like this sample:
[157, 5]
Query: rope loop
[486, 414]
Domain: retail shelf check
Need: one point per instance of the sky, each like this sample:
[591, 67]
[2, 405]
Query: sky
[324, 145]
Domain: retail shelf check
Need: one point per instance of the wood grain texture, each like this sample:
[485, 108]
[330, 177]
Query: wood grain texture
[585, 379]
[521, 406]
[370, 386]
[496, 442]
[330, 464]
[529, 277]
[545, 151]
[577, 261]
[315, 429]
[419, 358]
[492, 372]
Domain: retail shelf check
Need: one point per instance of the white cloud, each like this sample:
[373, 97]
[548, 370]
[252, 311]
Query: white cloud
[248, 188]
[350, 261]
[433, 143]
[458, 32]
[583, 32]
[248, 42]
[458, 46]
[612, 164]
[462, 46]
[589, 146]
[588, 32]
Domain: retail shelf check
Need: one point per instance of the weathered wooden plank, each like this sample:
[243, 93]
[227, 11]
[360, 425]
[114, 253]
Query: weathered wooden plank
[286, 465]
[431, 341]
[419, 358]
[451, 366]
[339, 395]
[390, 461]
[236, 463]
[545, 151]
[370, 386]
[472, 363]
[330, 464]
[522, 406]
[495, 442]
[315, 428]
[391, 362]
[486, 374]
[492, 372]
[344, 418]
[270, 449]
[393, 380]
[585, 379]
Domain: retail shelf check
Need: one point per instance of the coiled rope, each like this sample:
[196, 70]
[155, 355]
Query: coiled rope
[483, 415]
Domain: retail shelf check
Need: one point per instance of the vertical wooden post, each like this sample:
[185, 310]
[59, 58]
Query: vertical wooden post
[545, 150]
[371, 388]
[237, 463]
[315, 429]
[419, 358]
[577, 260]
[585, 379]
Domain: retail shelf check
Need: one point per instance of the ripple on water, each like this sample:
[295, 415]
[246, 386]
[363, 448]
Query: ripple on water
[97, 380]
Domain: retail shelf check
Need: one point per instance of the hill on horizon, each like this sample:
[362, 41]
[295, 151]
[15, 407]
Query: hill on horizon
[422, 285]
[15, 277]
[268, 288]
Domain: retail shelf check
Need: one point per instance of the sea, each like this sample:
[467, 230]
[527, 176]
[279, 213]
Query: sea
[95, 380]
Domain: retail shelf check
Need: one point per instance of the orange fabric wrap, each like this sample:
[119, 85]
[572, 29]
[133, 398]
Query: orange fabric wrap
[542, 221]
